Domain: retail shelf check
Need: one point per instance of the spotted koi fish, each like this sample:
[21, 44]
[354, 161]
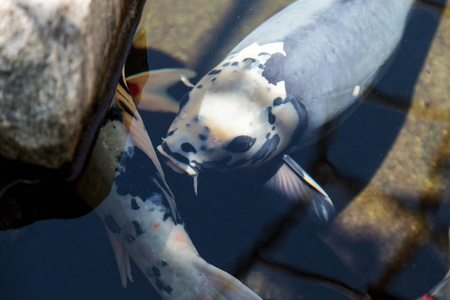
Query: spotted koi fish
[279, 87]
[140, 213]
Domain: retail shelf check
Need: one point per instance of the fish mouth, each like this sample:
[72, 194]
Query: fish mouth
[175, 164]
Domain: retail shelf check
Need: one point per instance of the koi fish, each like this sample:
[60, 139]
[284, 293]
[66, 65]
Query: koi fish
[280, 86]
[140, 213]
[442, 290]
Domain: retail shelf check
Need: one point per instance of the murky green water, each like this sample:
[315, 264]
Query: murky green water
[386, 168]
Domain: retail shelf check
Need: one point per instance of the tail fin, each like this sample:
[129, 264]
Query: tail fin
[221, 285]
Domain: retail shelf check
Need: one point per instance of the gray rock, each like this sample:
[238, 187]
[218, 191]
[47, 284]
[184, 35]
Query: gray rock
[58, 62]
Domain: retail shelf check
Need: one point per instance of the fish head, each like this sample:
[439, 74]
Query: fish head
[232, 118]
[228, 128]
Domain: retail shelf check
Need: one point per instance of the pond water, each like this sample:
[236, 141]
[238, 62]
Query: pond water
[385, 171]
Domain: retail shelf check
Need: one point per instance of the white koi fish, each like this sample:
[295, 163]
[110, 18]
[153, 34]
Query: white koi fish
[280, 86]
[141, 218]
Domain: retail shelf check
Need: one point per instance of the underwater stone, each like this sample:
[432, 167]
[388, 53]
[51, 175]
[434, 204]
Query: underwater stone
[58, 62]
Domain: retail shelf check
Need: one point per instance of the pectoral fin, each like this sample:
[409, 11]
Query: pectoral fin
[149, 89]
[122, 258]
[296, 186]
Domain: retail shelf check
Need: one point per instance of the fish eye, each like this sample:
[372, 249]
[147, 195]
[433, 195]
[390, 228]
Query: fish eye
[186, 147]
[240, 144]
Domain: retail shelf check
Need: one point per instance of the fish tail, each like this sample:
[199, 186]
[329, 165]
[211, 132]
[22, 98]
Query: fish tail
[220, 285]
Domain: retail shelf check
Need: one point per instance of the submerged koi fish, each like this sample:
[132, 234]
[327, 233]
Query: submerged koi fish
[442, 290]
[280, 86]
[141, 218]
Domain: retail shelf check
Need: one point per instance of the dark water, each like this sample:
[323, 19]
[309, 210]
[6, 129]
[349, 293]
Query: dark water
[236, 229]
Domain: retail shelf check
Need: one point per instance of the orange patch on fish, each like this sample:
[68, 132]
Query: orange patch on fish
[156, 225]
[134, 89]
[179, 238]
[429, 297]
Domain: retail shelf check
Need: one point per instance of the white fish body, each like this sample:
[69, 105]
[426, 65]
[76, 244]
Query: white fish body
[142, 221]
[296, 72]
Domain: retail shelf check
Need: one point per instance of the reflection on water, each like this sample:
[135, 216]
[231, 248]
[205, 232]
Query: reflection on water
[386, 168]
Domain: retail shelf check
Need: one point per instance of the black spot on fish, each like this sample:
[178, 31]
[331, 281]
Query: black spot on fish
[136, 175]
[187, 147]
[130, 238]
[266, 149]
[115, 113]
[184, 100]
[206, 129]
[203, 148]
[226, 64]
[273, 70]
[214, 79]
[134, 204]
[199, 86]
[271, 117]
[160, 285]
[267, 135]
[249, 60]
[172, 132]
[216, 164]
[188, 125]
[203, 137]
[138, 228]
[164, 264]
[166, 216]
[261, 66]
[263, 53]
[273, 128]
[139, 177]
[302, 117]
[240, 144]
[177, 156]
[278, 101]
[112, 224]
[235, 63]
[155, 274]
[214, 72]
